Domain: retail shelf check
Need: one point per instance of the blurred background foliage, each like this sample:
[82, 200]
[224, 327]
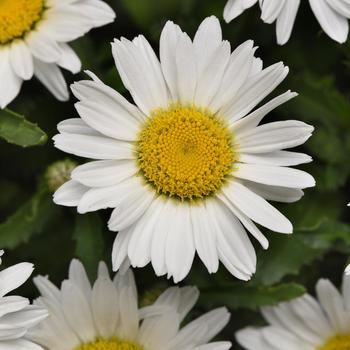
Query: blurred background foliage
[32, 228]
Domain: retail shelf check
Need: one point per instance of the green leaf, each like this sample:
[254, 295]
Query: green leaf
[30, 219]
[285, 256]
[247, 296]
[15, 129]
[330, 234]
[88, 235]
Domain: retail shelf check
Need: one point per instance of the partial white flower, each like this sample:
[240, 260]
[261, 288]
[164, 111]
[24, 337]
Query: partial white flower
[347, 270]
[305, 323]
[33, 41]
[17, 317]
[189, 168]
[332, 15]
[106, 316]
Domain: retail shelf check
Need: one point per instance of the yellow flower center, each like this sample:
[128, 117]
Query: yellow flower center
[339, 342]
[111, 344]
[185, 152]
[17, 17]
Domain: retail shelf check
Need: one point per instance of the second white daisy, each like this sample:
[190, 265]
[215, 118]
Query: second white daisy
[34, 37]
[332, 15]
[17, 316]
[190, 167]
[305, 323]
[106, 316]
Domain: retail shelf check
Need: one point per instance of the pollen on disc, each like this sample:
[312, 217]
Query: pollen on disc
[17, 17]
[110, 344]
[185, 152]
[338, 342]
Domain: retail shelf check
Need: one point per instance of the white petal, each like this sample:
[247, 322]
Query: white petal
[51, 76]
[21, 60]
[270, 10]
[204, 238]
[167, 47]
[120, 248]
[43, 47]
[275, 193]
[122, 118]
[285, 21]
[69, 59]
[12, 304]
[274, 136]
[128, 313]
[253, 119]
[237, 72]
[346, 288]
[27, 318]
[211, 77]
[246, 222]
[131, 208]
[94, 147]
[10, 90]
[340, 6]
[279, 338]
[108, 197]
[332, 303]
[160, 234]
[76, 126]
[14, 276]
[104, 303]
[180, 249]
[257, 208]
[64, 23]
[233, 245]
[309, 310]
[234, 8]
[334, 24]
[214, 320]
[103, 173]
[212, 57]
[252, 339]
[99, 12]
[283, 315]
[256, 88]
[277, 158]
[70, 194]
[274, 175]
[78, 275]
[77, 312]
[19, 344]
[140, 71]
[219, 345]
[186, 69]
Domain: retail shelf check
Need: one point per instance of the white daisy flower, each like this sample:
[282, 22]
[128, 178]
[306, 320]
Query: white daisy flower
[305, 323]
[188, 167]
[106, 316]
[17, 317]
[332, 15]
[33, 41]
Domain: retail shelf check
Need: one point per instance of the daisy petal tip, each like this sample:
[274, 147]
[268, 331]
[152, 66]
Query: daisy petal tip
[265, 244]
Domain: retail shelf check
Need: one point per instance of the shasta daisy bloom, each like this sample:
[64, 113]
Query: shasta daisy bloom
[106, 316]
[332, 15]
[305, 323]
[189, 166]
[17, 317]
[33, 41]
